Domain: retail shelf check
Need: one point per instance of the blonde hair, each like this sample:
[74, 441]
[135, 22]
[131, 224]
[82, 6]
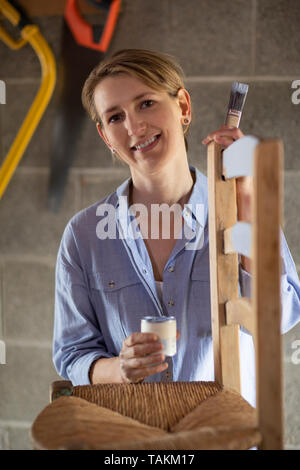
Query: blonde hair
[157, 70]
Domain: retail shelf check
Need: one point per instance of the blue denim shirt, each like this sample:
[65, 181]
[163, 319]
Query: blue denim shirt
[104, 287]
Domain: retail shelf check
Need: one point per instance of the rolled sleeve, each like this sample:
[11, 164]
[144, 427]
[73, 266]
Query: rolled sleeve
[77, 340]
[290, 290]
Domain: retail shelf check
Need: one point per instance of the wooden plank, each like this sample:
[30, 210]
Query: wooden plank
[55, 7]
[240, 312]
[223, 268]
[266, 290]
[230, 357]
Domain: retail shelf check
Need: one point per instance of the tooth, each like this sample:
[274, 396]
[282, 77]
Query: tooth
[148, 142]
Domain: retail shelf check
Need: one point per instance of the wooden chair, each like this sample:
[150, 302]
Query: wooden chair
[201, 415]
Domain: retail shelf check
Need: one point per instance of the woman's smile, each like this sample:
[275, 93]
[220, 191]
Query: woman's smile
[147, 144]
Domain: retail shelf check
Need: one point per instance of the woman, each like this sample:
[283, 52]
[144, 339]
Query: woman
[105, 285]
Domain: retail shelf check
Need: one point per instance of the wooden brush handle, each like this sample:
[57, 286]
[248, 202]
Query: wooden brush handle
[233, 118]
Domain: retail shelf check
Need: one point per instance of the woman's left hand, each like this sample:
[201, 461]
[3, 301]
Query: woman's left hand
[224, 136]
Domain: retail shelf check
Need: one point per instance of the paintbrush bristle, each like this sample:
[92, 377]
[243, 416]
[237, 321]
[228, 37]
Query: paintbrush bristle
[238, 96]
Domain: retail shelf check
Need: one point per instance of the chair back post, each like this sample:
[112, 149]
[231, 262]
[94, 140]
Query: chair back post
[223, 271]
[266, 302]
[260, 315]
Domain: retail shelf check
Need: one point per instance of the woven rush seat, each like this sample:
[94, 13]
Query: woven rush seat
[155, 404]
[179, 415]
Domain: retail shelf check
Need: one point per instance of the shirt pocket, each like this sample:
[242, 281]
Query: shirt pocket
[125, 300]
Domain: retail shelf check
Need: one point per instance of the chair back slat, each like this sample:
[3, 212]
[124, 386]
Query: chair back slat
[230, 357]
[240, 312]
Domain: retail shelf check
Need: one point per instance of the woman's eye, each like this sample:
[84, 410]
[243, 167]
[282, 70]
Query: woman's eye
[114, 118]
[147, 103]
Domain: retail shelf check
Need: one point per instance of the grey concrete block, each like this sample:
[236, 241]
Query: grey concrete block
[25, 382]
[211, 38]
[28, 301]
[90, 151]
[95, 188]
[268, 113]
[277, 37]
[292, 403]
[18, 101]
[50, 28]
[10, 60]
[291, 347]
[4, 438]
[19, 439]
[1, 133]
[291, 213]
[142, 25]
[28, 227]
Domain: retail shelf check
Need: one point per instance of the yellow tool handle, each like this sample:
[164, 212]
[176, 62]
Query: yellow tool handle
[14, 17]
[30, 33]
[10, 12]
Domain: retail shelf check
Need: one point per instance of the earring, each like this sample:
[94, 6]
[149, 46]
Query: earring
[186, 121]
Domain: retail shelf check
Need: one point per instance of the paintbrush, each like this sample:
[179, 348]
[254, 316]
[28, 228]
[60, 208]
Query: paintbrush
[236, 103]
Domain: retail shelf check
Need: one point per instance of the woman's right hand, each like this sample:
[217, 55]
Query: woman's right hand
[141, 355]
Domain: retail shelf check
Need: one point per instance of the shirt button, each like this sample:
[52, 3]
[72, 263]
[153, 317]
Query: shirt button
[144, 271]
[111, 284]
[171, 303]
[167, 375]
[171, 269]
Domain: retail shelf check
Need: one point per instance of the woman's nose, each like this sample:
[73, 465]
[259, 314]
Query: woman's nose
[135, 126]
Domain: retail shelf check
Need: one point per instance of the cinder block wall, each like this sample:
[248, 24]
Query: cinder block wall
[216, 42]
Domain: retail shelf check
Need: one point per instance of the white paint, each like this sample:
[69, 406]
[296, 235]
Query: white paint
[241, 238]
[165, 330]
[238, 157]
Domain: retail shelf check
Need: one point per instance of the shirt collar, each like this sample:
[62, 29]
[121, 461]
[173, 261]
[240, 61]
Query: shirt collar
[196, 208]
[195, 211]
